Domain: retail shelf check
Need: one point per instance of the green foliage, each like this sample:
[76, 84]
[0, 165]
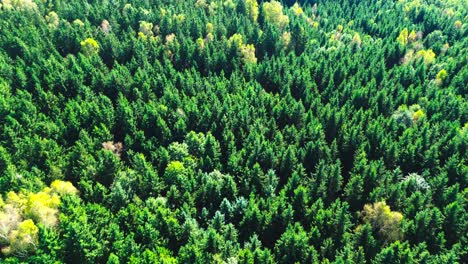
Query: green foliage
[293, 246]
[233, 131]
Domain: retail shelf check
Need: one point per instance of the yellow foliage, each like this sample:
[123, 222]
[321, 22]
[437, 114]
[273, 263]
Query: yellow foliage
[78, 22]
[449, 12]
[126, 9]
[285, 39]
[89, 46]
[444, 49]
[170, 39]
[18, 4]
[427, 55]
[201, 43]
[273, 12]
[210, 37]
[357, 39]
[45, 198]
[247, 51]
[52, 19]
[23, 240]
[412, 37]
[146, 29]
[41, 207]
[174, 169]
[248, 54]
[163, 11]
[213, 7]
[441, 76]
[63, 187]
[20, 213]
[145, 11]
[252, 9]
[412, 5]
[201, 3]
[464, 130]
[15, 199]
[458, 24]
[297, 10]
[418, 115]
[229, 4]
[339, 28]
[383, 220]
[142, 36]
[179, 18]
[209, 27]
[403, 37]
[235, 40]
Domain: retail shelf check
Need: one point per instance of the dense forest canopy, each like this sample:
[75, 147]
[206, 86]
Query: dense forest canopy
[233, 131]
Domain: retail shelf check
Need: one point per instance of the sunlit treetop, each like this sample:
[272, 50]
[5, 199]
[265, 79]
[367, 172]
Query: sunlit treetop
[235, 40]
[285, 39]
[428, 56]
[78, 22]
[273, 12]
[22, 241]
[18, 4]
[248, 54]
[52, 19]
[247, 50]
[89, 46]
[229, 4]
[408, 116]
[357, 39]
[386, 222]
[21, 212]
[297, 10]
[209, 27]
[403, 37]
[146, 28]
[63, 187]
[441, 76]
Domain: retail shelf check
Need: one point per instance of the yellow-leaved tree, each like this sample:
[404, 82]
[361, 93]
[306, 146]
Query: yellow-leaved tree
[273, 13]
[63, 188]
[89, 46]
[235, 41]
[251, 7]
[21, 212]
[247, 50]
[441, 76]
[42, 208]
[428, 56]
[248, 54]
[385, 222]
[23, 240]
[403, 37]
[52, 19]
[297, 10]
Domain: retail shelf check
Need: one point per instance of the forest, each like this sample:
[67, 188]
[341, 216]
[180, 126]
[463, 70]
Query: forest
[233, 131]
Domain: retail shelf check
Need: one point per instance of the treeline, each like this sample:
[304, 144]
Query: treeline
[233, 131]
